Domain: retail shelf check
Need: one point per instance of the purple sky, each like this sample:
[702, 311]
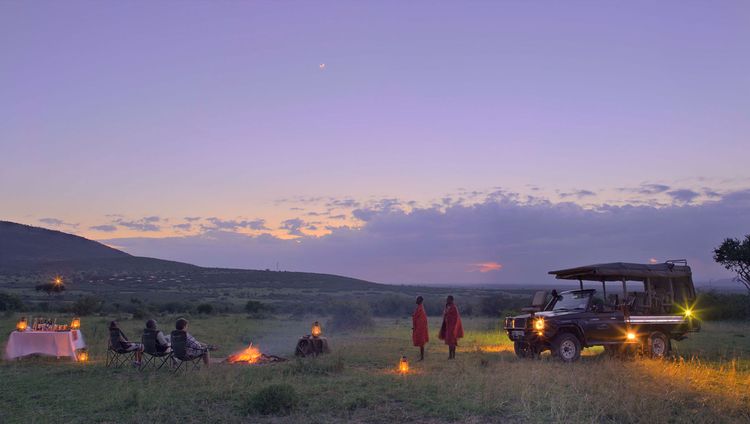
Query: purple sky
[438, 140]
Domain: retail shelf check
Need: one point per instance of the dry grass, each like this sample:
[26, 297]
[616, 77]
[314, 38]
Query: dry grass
[357, 383]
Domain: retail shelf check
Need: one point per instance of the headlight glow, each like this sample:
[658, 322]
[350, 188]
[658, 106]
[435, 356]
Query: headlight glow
[539, 324]
[631, 335]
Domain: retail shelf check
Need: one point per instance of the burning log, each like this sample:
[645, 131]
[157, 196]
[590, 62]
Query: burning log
[252, 355]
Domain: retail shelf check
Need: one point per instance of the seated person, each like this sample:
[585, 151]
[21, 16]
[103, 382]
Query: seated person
[162, 342]
[193, 347]
[121, 343]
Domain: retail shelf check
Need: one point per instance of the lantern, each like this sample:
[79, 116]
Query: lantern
[22, 325]
[75, 324]
[403, 365]
[82, 356]
[316, 331]
[58, 281]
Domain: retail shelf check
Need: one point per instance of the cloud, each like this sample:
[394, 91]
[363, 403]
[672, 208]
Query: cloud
[293, 226]
[234, 225]
[107, 228]
[486, 267]
[652, 188]
[192, 218]
[183, 227]
[345, 203]
[434, 245]
[146, 224]
[683, 195]
[578, 194]
[57, 222]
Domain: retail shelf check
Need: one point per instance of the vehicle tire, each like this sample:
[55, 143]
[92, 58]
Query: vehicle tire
[658, 345]
[566, 347]
[524, 350]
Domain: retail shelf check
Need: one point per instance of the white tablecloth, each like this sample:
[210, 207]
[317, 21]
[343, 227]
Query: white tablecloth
[53, 343]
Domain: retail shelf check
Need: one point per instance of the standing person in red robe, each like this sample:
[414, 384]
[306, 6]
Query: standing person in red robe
[419, 333]
[452, 329]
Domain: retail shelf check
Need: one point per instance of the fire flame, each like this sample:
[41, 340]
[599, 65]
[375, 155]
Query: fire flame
[250, 355]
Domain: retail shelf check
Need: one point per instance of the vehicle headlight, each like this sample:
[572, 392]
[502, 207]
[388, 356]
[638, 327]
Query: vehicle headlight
[539, 324]
[688, 313]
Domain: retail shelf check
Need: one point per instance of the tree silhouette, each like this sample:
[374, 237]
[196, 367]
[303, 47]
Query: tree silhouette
[50, 288]
[734, 255]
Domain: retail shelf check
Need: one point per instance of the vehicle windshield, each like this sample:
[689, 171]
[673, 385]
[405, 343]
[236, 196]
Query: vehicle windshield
[572, 301]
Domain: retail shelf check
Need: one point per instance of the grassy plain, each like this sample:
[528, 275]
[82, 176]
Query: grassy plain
[708, 381]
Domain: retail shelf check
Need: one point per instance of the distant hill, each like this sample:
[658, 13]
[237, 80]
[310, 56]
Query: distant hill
[24, 243]
[32, 250]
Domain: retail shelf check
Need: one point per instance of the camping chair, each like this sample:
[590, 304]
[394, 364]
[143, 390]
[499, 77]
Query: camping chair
[179, 351]
[117, 357]
[154, 357]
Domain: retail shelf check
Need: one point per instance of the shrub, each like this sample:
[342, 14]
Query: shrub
[86, 305]
[50, 288]
[273, 399]
[721, 306]
[254, 307]
[205, 308]
[352, 315]
[10, 302]
[174, 307]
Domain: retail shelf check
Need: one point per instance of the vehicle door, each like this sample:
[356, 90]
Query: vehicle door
[603, 324]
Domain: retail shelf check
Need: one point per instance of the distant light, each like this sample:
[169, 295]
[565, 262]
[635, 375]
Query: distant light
[688, 313]
[653, 261]
[322, 66]
[631, 335]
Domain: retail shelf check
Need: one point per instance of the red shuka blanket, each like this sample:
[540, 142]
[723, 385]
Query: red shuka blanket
[452, 329]
[419, 333]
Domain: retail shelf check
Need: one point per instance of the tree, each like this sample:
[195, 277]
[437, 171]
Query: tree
[50, 288]
[10, 302]
[734, 255]
[86, 305]
[205, 308]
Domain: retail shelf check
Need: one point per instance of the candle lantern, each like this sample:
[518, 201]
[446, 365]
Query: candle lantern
[75, 324]
[403, 365]
[22, 324]
[316, 330]
[82, 356]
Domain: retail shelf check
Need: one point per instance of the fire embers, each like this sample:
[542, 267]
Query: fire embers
[253, 355]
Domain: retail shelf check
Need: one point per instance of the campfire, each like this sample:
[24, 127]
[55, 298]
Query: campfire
[253, 355]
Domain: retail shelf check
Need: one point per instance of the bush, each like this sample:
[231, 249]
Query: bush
[273, 399]
[86, 305]
[10, 302]
[255, 307]
[174, 307]
[722, 306]
[353, 315]
[50, 288]
[205, 308]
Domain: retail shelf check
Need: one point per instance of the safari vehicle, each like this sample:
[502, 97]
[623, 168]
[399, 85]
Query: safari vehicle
[653, 308]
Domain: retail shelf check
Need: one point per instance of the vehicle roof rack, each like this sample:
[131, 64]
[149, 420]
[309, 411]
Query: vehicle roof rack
[617, 271]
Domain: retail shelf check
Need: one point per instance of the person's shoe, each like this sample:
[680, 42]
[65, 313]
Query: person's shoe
[136, 364]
